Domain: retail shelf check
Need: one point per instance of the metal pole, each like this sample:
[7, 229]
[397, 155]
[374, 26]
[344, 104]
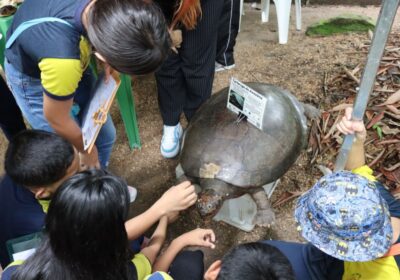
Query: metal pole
[381, 34]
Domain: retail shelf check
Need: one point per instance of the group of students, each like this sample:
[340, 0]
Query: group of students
[50, 44]
[350, 220]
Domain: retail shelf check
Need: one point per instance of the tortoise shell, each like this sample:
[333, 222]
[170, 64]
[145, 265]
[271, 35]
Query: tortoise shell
[216, 146]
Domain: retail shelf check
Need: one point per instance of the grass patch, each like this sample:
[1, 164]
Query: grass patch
[341, 24]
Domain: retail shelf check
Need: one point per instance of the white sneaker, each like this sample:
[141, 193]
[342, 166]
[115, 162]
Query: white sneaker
[132, 194]
[170, 142]
[219, 67]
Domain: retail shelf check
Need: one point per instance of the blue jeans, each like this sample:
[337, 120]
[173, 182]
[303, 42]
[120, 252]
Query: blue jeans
[28, 92]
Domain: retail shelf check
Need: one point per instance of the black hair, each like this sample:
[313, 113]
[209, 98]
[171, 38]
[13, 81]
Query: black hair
[36, 158]
[86, 233]
[131, 35]
[255, 261]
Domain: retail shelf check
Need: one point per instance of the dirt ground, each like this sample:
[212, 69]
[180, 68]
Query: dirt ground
[299, 66]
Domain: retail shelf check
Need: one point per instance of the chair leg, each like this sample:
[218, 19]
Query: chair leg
[298, 14]
[283, 15]
[265, 10]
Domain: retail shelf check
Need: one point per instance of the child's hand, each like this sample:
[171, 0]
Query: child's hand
[348, 126]
[198, 237]
[177, 198]
[176, 38]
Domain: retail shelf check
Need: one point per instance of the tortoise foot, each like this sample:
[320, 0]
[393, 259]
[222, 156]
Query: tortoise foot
[311, 112]
[264, 218]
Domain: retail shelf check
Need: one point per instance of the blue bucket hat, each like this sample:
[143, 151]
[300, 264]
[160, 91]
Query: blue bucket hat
[344, 216]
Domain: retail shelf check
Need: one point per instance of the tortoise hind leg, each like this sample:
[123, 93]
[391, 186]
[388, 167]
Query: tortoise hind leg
[265, 215]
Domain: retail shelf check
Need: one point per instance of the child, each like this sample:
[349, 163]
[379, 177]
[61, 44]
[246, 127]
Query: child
[48, 50]
[86, 234]
[227, 32]
[37, 163]
[184, 81]
[184, 265]
[350, 220]
[251, 261]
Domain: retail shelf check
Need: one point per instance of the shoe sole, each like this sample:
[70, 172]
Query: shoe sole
[170, 154]
[174, 152]
[225, 68]
[132, 193]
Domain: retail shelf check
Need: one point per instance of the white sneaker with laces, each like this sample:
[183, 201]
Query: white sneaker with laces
[132, 194]
[170, 142]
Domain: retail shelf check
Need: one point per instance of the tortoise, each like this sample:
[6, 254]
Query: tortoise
[227, 158]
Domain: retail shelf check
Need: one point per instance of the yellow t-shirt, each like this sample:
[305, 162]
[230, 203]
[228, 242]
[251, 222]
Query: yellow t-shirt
[143, 266]
[385, 268]
[365, 171]
[380, 269]
[60, 77]
[159, 275]
[45, 205]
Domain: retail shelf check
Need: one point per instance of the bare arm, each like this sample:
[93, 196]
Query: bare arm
[175, 199]
[138, 225]
[156, 241]
[197, 237]
[164, 262]
[57, 113]
[347, 126]
[356, 156]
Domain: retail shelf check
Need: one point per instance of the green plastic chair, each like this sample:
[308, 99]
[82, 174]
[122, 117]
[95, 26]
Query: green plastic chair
[125, 98]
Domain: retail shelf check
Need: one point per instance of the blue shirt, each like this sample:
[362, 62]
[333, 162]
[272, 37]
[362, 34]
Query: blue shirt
[20, 214]
[45, 40]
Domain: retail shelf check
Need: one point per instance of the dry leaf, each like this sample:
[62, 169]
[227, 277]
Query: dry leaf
[340, 107]
[393, 109]
[375, 119]
[285, 197]
[395, 97]
[387, 130]
[377, 158]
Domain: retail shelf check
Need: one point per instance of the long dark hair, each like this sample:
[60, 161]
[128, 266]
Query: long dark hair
[132, 35]
[86, 234]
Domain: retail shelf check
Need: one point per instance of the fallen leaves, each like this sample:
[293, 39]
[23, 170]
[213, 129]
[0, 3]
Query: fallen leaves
[286, 197]
[382, 117]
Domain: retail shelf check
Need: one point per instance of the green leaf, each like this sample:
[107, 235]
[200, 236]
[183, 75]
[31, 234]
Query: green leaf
[378, 131]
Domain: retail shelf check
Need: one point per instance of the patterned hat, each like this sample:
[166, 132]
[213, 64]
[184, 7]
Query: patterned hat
[344, 216]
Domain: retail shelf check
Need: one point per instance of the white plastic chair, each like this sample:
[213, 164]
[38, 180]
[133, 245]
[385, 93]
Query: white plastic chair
[283, 15]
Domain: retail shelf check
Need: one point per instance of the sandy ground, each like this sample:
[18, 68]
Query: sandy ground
[298, 66]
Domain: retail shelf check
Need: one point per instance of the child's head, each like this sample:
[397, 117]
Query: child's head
[86, 236]
[345, 216]
[89, 208]
[41, 161]
[251, 261]
[130, 35]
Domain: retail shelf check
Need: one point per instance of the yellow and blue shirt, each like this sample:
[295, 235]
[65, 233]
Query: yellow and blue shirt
[20, 214]
[55, 53]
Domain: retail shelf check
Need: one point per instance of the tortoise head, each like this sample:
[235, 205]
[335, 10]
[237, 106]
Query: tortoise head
[209, 203]
[213, 194]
